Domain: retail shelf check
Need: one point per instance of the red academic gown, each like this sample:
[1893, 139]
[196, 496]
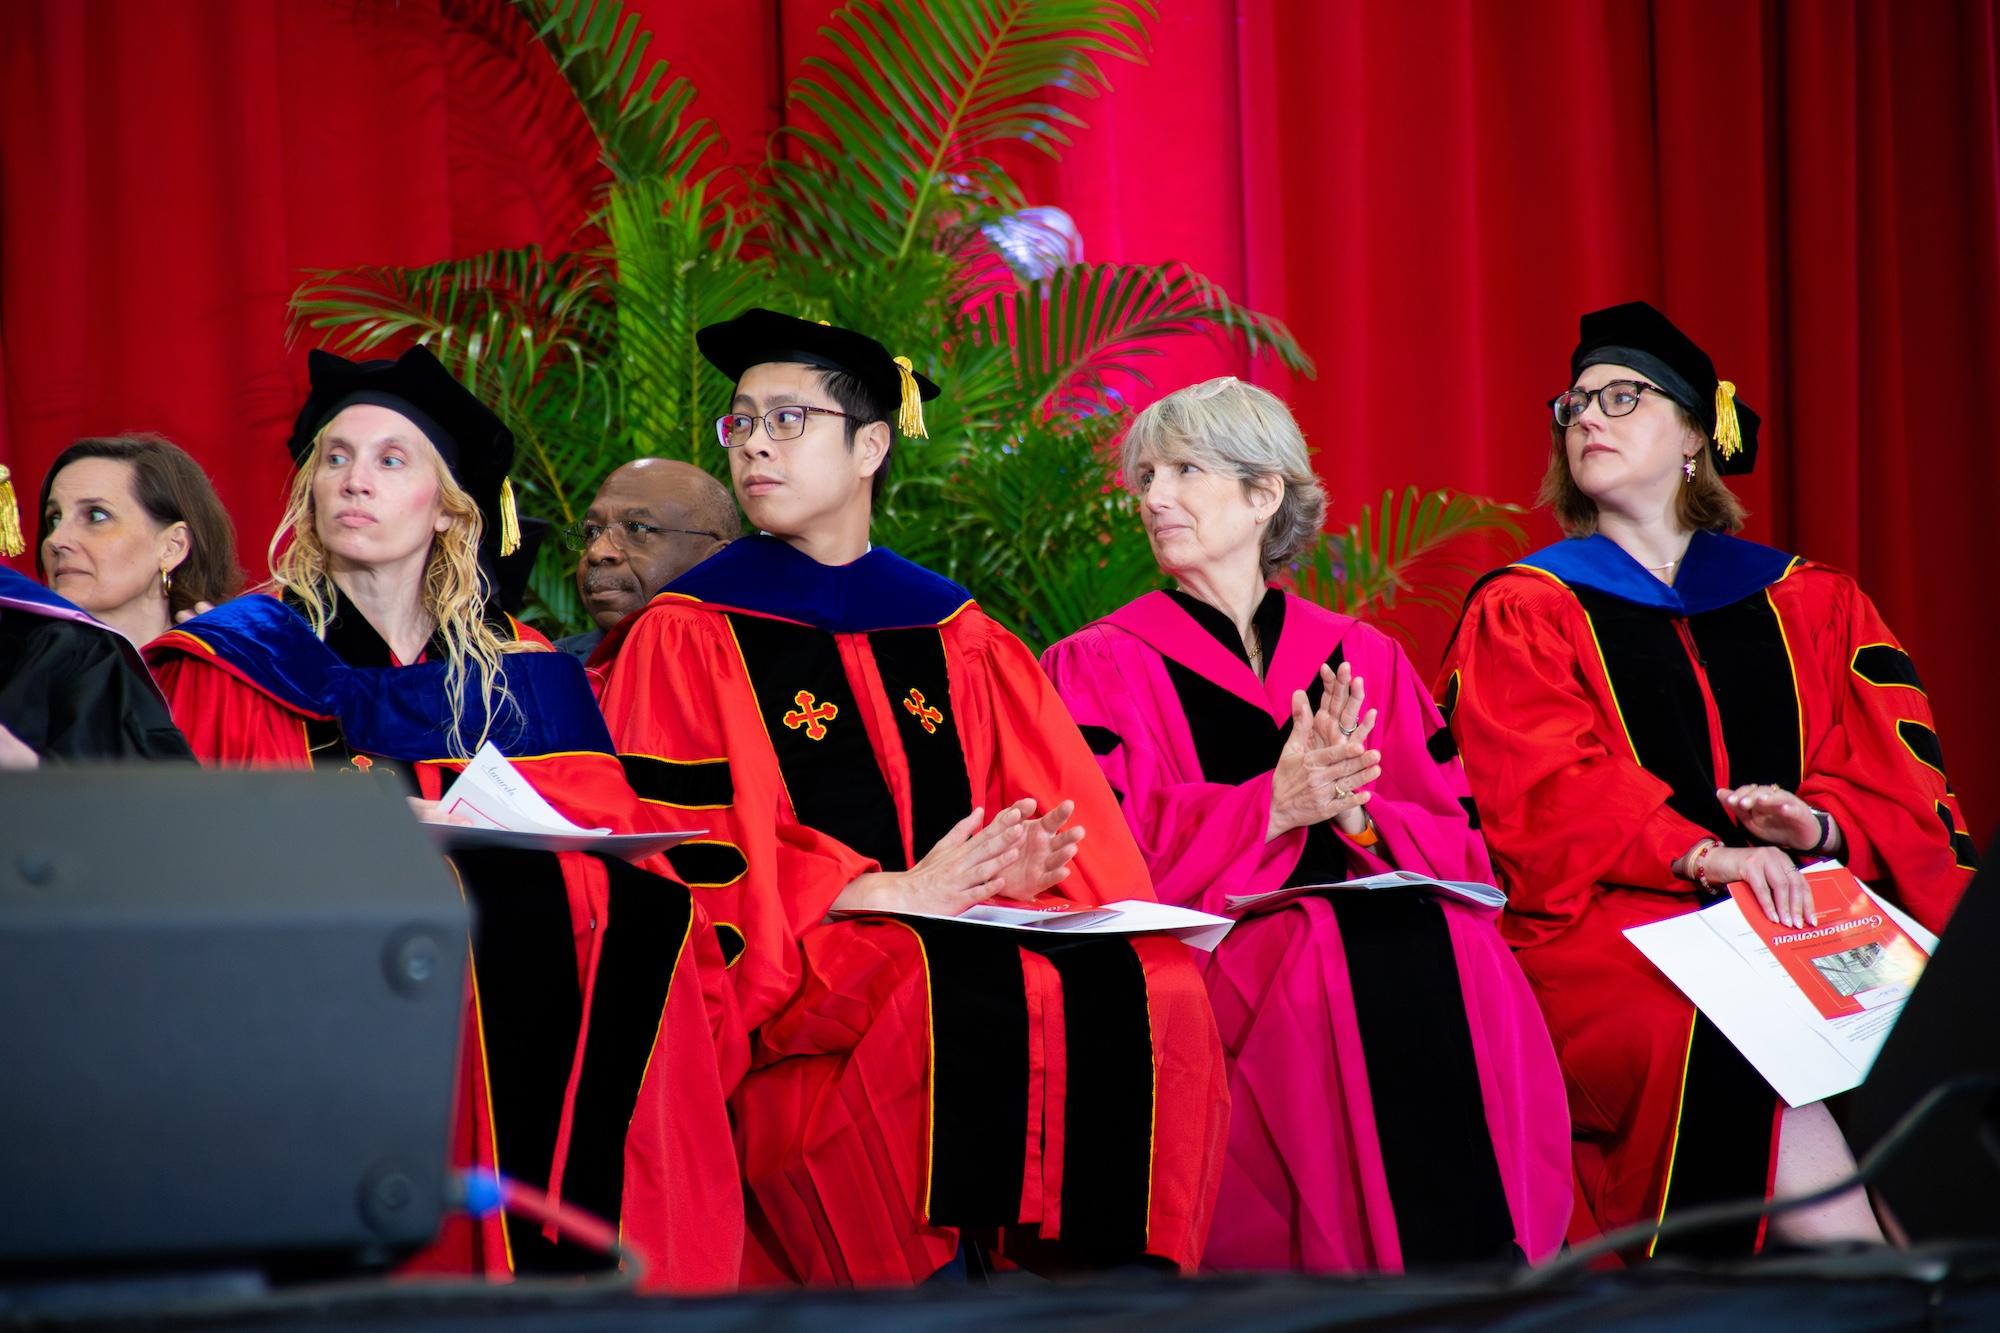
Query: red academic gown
[910, 1079]
[601, 1038]
[1597, 710]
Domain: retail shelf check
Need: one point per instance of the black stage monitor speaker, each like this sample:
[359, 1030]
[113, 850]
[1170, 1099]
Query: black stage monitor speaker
[230, 1004]
[1945, 1184]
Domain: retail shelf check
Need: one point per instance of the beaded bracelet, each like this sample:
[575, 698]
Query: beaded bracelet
[1699, 867]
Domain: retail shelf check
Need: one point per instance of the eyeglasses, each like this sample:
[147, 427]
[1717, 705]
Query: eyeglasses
[780, 423]
[625, 534]
[1619, 398]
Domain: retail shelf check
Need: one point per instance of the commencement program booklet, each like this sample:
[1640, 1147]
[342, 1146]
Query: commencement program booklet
[1471, 891]
[1132, 916]
[1809, 1006]
[504, 810]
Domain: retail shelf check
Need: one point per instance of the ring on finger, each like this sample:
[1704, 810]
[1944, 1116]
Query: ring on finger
[1349, 731]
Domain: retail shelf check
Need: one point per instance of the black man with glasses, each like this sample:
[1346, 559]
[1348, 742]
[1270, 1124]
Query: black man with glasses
[651, 521]
[1654, 709]
[863, 742]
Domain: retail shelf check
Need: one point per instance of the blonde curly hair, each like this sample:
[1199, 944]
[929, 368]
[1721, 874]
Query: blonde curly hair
[455, 589]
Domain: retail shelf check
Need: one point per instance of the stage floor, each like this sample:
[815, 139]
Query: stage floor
[1847, 1292]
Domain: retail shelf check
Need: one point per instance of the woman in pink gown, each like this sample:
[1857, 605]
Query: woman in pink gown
[1396, 1099]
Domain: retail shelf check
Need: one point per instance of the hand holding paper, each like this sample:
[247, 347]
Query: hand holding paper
[1811, 1006]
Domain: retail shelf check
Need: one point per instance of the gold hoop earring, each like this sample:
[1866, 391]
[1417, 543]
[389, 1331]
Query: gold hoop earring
[166, 582]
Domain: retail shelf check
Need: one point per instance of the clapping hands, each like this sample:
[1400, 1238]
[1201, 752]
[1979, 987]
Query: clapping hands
[1326, 761]
[1014, 855]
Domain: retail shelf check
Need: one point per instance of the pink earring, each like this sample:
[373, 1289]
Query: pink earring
[1687, 468]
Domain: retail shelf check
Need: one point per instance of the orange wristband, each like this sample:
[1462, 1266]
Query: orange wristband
[1368, 837]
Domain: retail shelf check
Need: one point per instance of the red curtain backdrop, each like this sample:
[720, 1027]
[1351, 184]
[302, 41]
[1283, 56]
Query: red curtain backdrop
[1428, 192]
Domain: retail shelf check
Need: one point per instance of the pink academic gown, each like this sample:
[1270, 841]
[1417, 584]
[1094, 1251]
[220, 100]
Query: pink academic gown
[1397, 1101]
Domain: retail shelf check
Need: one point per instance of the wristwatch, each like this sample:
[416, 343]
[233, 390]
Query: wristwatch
[1825, 831]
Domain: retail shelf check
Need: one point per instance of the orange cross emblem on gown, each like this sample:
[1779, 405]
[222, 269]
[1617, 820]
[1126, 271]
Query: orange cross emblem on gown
[922, 711]
[811, 715]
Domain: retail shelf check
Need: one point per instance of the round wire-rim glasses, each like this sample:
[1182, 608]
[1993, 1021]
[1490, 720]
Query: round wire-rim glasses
[780, 423]
[1615, 398]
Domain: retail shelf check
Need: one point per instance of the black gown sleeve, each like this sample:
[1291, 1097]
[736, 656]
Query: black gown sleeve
[71, 692]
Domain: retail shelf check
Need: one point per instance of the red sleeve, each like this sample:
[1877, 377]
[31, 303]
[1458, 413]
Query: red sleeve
[227, 722]
[1873, 759]
[1020, 741]
[682, 713]
[1563, 801]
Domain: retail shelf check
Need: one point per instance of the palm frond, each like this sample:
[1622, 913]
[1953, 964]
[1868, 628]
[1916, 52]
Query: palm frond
[1076, 339]
[640, 114]
[1410, 547]
[680, 265]
[502, 293]
[917, 92]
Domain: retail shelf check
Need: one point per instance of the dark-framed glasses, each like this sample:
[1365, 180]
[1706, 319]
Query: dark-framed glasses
[1619, 398]
[626, 534]
[780, 423]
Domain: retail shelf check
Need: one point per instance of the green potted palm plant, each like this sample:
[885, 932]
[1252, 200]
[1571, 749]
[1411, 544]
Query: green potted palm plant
[881, 205]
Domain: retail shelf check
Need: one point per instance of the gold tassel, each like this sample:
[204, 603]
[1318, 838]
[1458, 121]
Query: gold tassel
[10, 517]
[1728, 434]
[910, 416]
[510, 521]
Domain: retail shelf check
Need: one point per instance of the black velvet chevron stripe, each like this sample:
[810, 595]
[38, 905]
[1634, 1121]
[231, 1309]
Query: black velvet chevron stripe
[1442, 745]
[732, 942]
[1471, 812]
[705, 864]
[1963, 851]
[1886, 664]
[1102, 740]
[1923, 743]
[699, 785]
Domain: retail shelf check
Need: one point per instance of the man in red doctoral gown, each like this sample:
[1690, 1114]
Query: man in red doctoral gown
[858, 735]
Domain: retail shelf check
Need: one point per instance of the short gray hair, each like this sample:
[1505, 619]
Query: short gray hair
[1240, 429]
